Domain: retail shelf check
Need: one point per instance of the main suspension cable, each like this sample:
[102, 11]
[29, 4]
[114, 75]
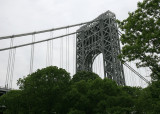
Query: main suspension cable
[40, 41]
[48, 30]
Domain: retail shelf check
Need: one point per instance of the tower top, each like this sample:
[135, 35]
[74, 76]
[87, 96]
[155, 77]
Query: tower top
[107, 14]
[103, 16]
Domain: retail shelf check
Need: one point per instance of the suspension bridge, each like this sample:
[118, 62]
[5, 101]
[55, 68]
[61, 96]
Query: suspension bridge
[92, 46]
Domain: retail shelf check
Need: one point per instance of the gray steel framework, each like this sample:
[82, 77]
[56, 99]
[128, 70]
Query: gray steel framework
[101, 36]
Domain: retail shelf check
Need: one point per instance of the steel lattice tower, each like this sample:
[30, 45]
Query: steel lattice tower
[101, 36]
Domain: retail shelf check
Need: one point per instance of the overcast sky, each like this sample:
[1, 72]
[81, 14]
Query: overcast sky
[21, 16]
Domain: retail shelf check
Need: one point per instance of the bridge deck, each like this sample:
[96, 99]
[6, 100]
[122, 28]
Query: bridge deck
[3, 91]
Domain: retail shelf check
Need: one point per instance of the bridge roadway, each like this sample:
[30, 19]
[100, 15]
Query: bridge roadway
[3, 90]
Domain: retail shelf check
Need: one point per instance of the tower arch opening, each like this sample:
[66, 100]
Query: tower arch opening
[98, 65]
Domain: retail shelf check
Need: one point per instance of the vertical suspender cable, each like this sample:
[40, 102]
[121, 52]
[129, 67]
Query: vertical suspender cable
[12, 67]
[98, 72]
[126, 74]
[62, 52]
[47, 55]
[74, 36]
[137, 78]
[146, 74]
[130, 74]
[52, 47]
[95, 67]
[98, 66]
[32, 54]
[68, 49]
[49, 48]
[50, 51]
[9, 63]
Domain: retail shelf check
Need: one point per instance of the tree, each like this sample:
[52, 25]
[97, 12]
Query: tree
[149, 101]
[84, 75]
[40, 92]
[141, 38]
[50, 90]
[98, 96]
[13, 100]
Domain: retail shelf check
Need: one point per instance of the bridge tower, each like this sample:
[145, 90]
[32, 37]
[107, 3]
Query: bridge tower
[100, 36]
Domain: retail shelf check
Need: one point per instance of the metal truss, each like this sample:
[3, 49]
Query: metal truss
[100, 37]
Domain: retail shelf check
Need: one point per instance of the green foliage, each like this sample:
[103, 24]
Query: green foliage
[84, 75]
[141, 36]
[50, 90]
[13, 100]
[151, 98]
[98, 96]
[41, 92]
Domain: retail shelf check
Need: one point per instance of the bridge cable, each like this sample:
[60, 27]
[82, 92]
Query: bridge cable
[40, 41]
[52, 48]
[60, 56]
[119, 32]
[47, 54]
[95, 66]
[48, 30]
[68, 49]
[12, 67]
[131, 79]
[137, 73]
[62, 51]
[8, 66]
[32, 54]
[9, 63]
[49, 48]
[74, 48]
[99, 65]
[138, 70]
[49, 51]
[52, 51]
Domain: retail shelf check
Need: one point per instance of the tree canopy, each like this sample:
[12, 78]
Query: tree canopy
[141, 37]
[41, 92]
[51, 90]
[84, 75]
